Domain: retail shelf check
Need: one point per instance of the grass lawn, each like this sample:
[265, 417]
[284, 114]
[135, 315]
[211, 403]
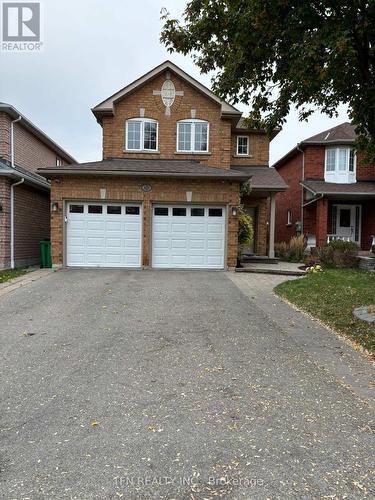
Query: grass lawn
[331, 297]
[9, 274]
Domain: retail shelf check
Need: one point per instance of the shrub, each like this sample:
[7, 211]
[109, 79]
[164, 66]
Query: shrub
[314, 269]
[339, 253]
[312, 260]
[297, 247]
[245, 231]
[282, 250]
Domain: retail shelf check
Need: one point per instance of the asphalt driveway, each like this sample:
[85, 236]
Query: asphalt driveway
[170, 385]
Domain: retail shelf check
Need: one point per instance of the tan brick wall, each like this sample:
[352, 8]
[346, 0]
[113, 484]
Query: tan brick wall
[31, 223]
[129, 189]
[221, 143]
[29, 152]
[259, 145]
[4, 222]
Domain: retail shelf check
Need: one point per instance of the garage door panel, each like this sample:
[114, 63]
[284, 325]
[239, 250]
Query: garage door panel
[188, 241]
[103, 240]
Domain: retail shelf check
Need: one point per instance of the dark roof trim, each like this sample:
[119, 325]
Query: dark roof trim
[338, 193]
[14, 114]
[30, 177]
[56, 172]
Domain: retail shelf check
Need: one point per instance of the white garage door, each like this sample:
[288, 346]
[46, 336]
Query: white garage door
[103, 235]
[188, 237]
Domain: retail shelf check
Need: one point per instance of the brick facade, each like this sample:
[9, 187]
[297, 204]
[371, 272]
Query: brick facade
[317, 216]
[31, 203]
[129, 189]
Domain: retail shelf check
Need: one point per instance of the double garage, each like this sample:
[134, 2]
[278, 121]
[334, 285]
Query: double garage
[111, 234]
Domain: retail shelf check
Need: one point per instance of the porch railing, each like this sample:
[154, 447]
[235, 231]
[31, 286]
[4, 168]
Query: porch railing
[335, 237]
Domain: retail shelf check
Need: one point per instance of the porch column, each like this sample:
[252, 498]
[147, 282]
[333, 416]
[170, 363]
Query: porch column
[321, 222]
[271, 248]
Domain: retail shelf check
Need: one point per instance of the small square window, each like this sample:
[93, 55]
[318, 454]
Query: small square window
[215, 212]
[197, 212]
[114, 210]
[58, 162]
[161, 210]
[95, 209]
[179, 212]
[132, 210]
[242, 145]
[76, 209]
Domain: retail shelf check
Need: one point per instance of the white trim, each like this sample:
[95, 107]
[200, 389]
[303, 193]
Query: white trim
[289, 217]
[247, 148]
[337, 175]
[142, 121]
[192, 149]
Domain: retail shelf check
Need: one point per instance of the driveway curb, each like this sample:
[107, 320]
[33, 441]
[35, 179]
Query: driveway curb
[26, 279]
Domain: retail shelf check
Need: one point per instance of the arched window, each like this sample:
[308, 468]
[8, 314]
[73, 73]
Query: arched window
[192, 136]
[141, 134]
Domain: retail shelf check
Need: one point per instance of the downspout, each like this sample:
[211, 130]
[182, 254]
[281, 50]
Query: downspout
[12, 220]
[12, 139]
[303, 178]
[12, 191]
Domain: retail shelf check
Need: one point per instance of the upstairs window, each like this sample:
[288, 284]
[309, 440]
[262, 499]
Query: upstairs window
[340, 165]
[242, 145]
[58, 161]
[141, 134]
[192, 136]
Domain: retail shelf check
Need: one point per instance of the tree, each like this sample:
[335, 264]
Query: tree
[272, 54]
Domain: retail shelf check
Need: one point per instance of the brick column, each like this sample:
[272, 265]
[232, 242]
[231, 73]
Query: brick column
[321, 222]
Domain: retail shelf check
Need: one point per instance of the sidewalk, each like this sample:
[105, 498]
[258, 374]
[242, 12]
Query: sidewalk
[23, 280]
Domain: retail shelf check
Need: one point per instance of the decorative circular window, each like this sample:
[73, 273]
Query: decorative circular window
[168, 93]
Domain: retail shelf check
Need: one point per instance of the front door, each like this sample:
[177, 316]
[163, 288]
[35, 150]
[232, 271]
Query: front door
[348, 222]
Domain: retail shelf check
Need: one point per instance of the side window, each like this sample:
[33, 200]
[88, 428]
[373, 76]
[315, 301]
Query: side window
[242, 145]
[192, 136]
[141, 134]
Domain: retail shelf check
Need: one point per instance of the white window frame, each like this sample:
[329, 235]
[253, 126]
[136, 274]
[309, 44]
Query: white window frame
[192, 136]
[142, 138]
[289, 217]
[344, 176]
[248, 143]
[58, 161]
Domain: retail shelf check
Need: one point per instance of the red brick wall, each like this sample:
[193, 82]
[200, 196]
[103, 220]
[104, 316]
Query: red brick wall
[4, 222]
[365, 172]
[129, 189]
[31, 223]
[220, 143]
[291, 172]
[29, 151]
[314, 162]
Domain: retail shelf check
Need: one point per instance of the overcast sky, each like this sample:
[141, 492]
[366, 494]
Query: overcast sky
[92, 48]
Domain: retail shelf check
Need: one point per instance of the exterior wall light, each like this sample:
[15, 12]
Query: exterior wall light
[234, 211]
[54, 206]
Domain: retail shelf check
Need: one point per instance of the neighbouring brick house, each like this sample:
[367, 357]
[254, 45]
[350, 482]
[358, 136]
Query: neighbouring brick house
[331, 192]
[167, 191]
[24, 194]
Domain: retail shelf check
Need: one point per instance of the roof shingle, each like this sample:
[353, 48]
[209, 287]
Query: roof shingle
[262, 177]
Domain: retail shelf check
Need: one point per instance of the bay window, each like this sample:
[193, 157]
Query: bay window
[340, 165]
[141, 134]
[192, 136]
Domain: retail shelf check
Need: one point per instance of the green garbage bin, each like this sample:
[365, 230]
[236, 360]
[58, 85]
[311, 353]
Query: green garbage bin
[45, 253]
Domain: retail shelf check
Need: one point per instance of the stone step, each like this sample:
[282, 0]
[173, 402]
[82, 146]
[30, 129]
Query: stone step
[265, 270]
[259, 259]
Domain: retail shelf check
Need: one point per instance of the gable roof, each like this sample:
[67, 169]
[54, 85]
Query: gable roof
[106, 106]
[26, 123]
[341, 134]
[345, 132]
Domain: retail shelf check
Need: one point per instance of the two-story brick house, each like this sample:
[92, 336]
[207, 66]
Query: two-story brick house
[331, 192]
[167, 191]
[24, 194]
